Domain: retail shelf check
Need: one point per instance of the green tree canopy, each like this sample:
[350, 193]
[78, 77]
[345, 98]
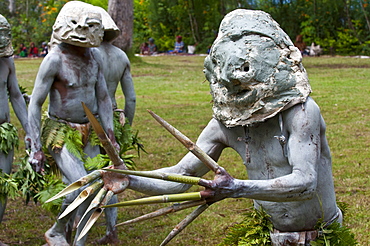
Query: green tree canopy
[340, 26]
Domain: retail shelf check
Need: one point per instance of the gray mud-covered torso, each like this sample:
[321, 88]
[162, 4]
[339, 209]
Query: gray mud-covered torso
[264, 158]
[74, 83]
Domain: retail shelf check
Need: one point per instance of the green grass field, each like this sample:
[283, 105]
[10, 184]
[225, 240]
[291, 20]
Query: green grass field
[174, 87]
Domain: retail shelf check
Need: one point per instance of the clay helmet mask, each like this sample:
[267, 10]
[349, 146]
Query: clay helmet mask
[79, 24]
[6, 48]
[254, 70]
[111, 31]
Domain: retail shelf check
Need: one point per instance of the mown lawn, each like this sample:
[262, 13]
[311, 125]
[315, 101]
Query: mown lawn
[174, 87]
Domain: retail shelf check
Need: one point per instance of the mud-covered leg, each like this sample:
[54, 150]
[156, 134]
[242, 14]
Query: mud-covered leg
[72, 169]
[61, 231]
[6, 166]
[111, 236]
[80, 212]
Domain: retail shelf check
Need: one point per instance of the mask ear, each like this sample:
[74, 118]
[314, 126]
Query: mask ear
[209, 70]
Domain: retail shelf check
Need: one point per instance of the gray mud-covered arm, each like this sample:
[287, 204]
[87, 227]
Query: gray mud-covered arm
[43, 83]
[210, 141]
[105, 109]
[127, 86]
[16, 97]
[303, 125]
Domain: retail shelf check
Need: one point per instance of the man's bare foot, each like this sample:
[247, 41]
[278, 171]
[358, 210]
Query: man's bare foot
[55, 239]
[110, 238]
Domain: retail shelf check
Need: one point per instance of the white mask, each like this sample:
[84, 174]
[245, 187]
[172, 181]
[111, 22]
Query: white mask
[79, 24]
[254, 70]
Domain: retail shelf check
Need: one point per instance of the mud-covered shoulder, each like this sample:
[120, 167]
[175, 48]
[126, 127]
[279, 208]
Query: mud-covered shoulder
[303, 116]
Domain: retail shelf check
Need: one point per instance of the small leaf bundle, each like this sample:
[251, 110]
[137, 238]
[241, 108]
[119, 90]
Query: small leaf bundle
[8, 137]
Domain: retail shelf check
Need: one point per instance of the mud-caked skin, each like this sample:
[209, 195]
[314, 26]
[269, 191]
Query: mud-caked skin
[117, 68]
[71, 73]
[263, 111]
[291, 179]
[9, 91]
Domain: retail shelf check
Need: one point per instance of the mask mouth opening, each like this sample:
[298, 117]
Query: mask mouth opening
[243, 92]
[83, 39]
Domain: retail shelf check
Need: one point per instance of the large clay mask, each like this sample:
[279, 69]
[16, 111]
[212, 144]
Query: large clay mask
[252, 77]
[79, 24]
[6, 48]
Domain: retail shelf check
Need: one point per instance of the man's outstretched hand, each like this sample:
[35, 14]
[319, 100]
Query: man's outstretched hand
[221, 187]
[37, 160]
[115, 182]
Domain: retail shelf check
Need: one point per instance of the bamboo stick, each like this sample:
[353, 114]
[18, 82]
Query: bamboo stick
[181, 226]
[159, 199]
[159, 175]
[107, 144]
[77, 184]
[88, 191]
[192, 147]
[163, 211]
[95, 215]
[94, 203]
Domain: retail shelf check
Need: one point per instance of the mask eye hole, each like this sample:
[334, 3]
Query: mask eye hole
[245, 67]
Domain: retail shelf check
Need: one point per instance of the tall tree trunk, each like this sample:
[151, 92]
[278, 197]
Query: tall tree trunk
[11, 7]
[365, 15]
[349, 21]
[122, 12]
[193, 22]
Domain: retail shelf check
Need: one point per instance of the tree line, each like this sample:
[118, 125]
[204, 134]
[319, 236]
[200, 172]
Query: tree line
[340, 27]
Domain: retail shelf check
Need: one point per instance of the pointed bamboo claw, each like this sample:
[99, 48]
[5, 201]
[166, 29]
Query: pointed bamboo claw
[105, 141]
[158, 175]
[159, 199]
[163, 211]
[191, 146]
[94, 203]
[95, 215]
[77, 185]
[88, 191]
[181, 226]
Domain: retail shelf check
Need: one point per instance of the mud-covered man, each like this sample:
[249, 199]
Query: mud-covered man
[9, 90]
[262, 110]
[70, 74]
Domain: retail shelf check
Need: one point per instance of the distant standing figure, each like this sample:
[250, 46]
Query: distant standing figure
[33, 51]
[152, 47]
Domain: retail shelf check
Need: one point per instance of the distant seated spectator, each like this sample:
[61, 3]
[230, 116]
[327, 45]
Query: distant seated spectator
[44, 49]
[301, 45]
[22, 51]
[33, 51]
[179, 46]
[144, 49]
[152, 47]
